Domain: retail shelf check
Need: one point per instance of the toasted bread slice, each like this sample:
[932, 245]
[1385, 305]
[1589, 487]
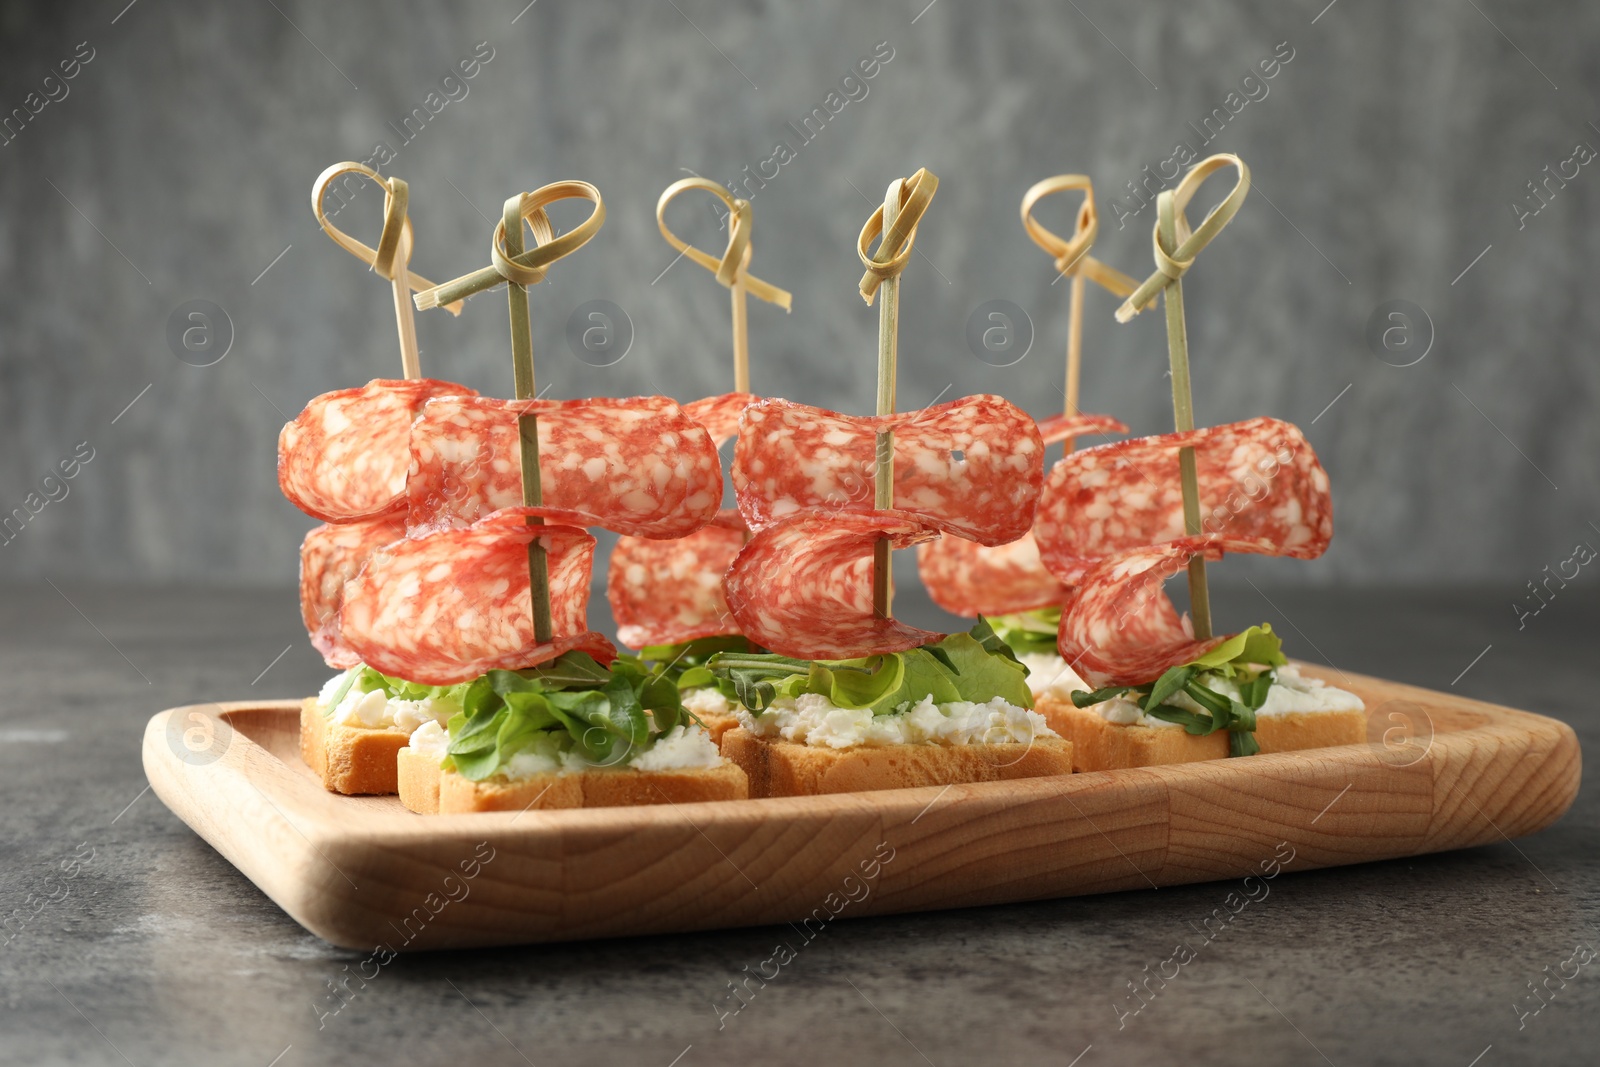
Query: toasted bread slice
[427, 789]
[418, 775]
[717, 725]
[1099, 745]
[349, 759]
[786, 769]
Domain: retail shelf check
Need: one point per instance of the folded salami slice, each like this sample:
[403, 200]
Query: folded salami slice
[447, 607]
[802, 587]
[1260, 482]
[719, 414]
[1061, 427]
[1119, 627]
[329, 557]
[971, 467]
[344, 458]
[966, 578]
[665, 592]
[638, 465]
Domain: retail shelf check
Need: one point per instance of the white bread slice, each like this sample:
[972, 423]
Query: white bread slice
[351, 760]
[427, 789]
[786, 769]
[1099, 745]
[418, 781]
[717, 725]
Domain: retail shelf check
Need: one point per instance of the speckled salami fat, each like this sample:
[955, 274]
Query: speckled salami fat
[971, 467]
[345, 457]
[665, 592]
[638, 466]
[966, 578]
[802, 587]
[330, 556]
[447, 607]
[1260, 483]
[1118, 626]
[1061, 427]
[719, 414]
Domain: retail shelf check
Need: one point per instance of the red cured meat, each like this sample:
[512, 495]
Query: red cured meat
[638, 466]
[966, 578]
[802, 587]
[666, 592]
[719, 414]
[1061, 427]
[971, 467]
[344, 458]
[329, 557]
[1260, 482]
[1119, 627]
[447, 607]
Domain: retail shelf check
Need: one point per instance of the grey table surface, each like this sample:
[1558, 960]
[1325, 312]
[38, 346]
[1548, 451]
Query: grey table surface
[141, 945]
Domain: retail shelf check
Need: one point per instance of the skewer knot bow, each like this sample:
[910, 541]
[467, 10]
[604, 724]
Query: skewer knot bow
[395, 243]
[1172, 263]
[733, 268]
[1072, 256]
[509, 263]
[894, 251]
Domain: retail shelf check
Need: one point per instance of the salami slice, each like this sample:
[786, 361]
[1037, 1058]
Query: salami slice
[966, 578]
[344, 458]
[665, 592]
[719, 414]
[1063, 427]
[1260, 482]
[971, 467]
[329, 557]
[447, 607]
[1119, 627]
[802, 587]
[638, 466]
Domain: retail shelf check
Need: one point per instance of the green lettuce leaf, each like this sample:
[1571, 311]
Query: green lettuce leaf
[974, 666]
[1258, 644]
[1029, 631]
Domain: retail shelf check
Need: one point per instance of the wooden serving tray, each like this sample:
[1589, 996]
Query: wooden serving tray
[1438, 772]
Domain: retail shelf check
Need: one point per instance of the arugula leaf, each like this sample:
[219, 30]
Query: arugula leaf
[1084, 699]
[973, 666]
[1243, 744]
[984, 633]
[1236, 660]
[1192, 722]
[571, 703]
[1170, 682]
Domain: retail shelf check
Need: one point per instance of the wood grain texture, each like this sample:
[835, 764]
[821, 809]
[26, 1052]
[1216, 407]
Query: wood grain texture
[1437, 772]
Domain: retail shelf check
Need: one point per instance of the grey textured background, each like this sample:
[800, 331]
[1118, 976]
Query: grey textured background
[1386, 155]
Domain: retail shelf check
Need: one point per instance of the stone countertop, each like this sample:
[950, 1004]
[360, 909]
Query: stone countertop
[131, 941]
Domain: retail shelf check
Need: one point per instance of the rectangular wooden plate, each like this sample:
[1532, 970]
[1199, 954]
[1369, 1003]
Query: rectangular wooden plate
[1438, 772]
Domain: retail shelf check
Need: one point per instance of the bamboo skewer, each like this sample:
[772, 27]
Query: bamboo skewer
[904, 203]
[1175, 249]
[390, 259]
[888, 359]
[1073, 260]
[520, 268]
[732, 270]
